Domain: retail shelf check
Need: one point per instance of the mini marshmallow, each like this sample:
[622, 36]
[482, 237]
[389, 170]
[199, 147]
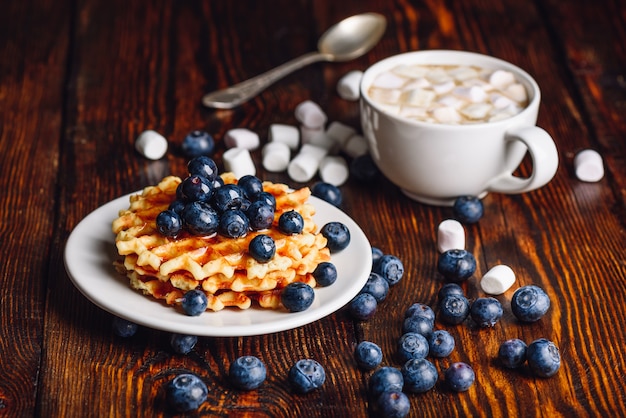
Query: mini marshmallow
[151, 145]
[446, 115]
[417, 83]
[588, 166]
[340, 132]
[476, 110]
[410, 71]
[501, 78]
[310, 114]
[418, 97]
[463, 73]
[356, 146]
[322, 140]
[307, 133]
[499, 101]
[438, 76]
[239, 162]
[303, 167]
[348, 86]
[276, 156]
[334, 170]
[286, 134]
[450, 236]
[497, 280]
[388, 81]
[517, 92]
[473, 94]
[389, 96]
[241, 138]
[443, 88]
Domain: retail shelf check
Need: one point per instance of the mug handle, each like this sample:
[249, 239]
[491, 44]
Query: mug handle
[545, 161]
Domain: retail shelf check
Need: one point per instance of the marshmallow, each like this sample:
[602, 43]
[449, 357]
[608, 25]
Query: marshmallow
[303, 166]
[497, 280]
[388, 81]
[241, 138]
[501, 78]
[473, 94]
[588, 166]
[276, 156]
[310, 114]
[443, 88]
[389, 96]
[151, 145]
[516, 92]
[334, 170]
[307, 133]
[340, 132]
[418, 97]
[286, 134]
[412, 71]
[356, 146]
[239, 162]
[322, 140]
[463, 73]
[476, 110]
[450, 236]
[348, 87]
[446, 115]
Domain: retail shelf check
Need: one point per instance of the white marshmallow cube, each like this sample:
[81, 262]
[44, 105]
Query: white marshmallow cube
[450, 236]
[241, 138]
[276, 156]
[310, 114]
[239, 162]
[348, 86]
[356, 146]
[497, 280]
[588, 166]
[340, 132]
[287, 134]
[334, 170]
[151, 145]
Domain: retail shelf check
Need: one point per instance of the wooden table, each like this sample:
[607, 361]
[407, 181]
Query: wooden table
[81, 80]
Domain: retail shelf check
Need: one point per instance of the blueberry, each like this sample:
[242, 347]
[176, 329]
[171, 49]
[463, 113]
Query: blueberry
[391, 268]
[290, 222]
[251, 186]
[376, 286]
[385, 379]
[363, 168]
[468, 209]
[449, 289]
[203, 166]
[247, 373]
[440, 343]
[306, 375]
[177, 206]
[169, 223]
[199, 218]
[325, 273]
[183, 344]
[456, 265]
[228, 196]
[368, 355]
[124, 328]
[412, 345]
[530, 303]
[421, 310]
[327, 192]
[459, 376]
[196, 188]
[262, 248]
[363, 307]
[297, 296]
[419, 375]
[186, 392]
[486, 312]
[194, 302]
[393, 404]
[543, 358]
[418, 324]
[337, 235]
[377, 254]
[233, 224]
[512, 353]
[453, 309]
[260, 214]
[267, 198]
[198, 143]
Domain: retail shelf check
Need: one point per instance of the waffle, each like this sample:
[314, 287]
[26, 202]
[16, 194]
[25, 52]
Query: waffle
[165, 268]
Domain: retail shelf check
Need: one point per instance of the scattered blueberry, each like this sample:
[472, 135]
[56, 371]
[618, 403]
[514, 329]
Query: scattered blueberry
[183, 344]
[393, 404]
[363, 168]
[203, 166]
[440, 343]
[363, 306]
[251, 186]
[421, 310]
[247, 373]
[306, 375]
[412, 345]
[337, 235]
[456, 265]
[199, 218]
[260, 214]
[228, 196]
[418, 324]
[124, 328]
[194, 302]
[459, 376]
[385, 379]
[530, 303]
[186, 392]
[368, 355]
[233, 224]
[486, 312]
[543, 358]
[419, 375]
[290, 222]
[512, 353]
[297, 296]
[391, 268]
[325, 273]
[449, 289]
[468, 209]
[262, 248]
[169, 223]
[198, 143]
[453, 309]
[377, 254]
[327, 192]
[376, 286]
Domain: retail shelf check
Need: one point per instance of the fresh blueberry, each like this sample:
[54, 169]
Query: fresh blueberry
[199, 218]
[440, 343]
[290, 222]
[251, 186]
[453, 309]
[456, 265]
[325, 273]
[530, 303]
[327, 192]
[177, 206]
[468, 209]
[363, 306]
[186, 392]
[198, 143]
[449, 289]
[368, 355]
[391, 268]
[169, 223]
[233, 224]
[512, 353]
[262, 248]
[418, 324]
[124, 328]
[297, 296]
[203, 166]
[543, 357]
[196, 188]
[421, 310]
[419, 375]
[412, 345]
[183, 344]
[194, 302]
[486, 312]
[337, 235]
[247, 373]
[385, 379]
[394, 404]
[376, 286]
[363, 168]
[267, 198]
[459, 376]
[377, 254]
[306, 375]
[260, 214]
[228, 196]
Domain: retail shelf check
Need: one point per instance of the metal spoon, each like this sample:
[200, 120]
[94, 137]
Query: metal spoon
[346, 40]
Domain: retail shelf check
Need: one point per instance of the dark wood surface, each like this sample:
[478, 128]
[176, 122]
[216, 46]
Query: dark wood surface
[80, 80]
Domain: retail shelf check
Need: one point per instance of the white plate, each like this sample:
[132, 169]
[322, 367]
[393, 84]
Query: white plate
[90, 252]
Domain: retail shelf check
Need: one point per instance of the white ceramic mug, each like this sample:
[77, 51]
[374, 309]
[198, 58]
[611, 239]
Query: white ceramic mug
[436, 163]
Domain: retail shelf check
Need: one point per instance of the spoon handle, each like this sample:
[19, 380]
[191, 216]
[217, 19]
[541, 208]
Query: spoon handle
[233, 96]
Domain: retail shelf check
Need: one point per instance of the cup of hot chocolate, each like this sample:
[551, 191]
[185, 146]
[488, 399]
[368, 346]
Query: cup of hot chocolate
[442, 124]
